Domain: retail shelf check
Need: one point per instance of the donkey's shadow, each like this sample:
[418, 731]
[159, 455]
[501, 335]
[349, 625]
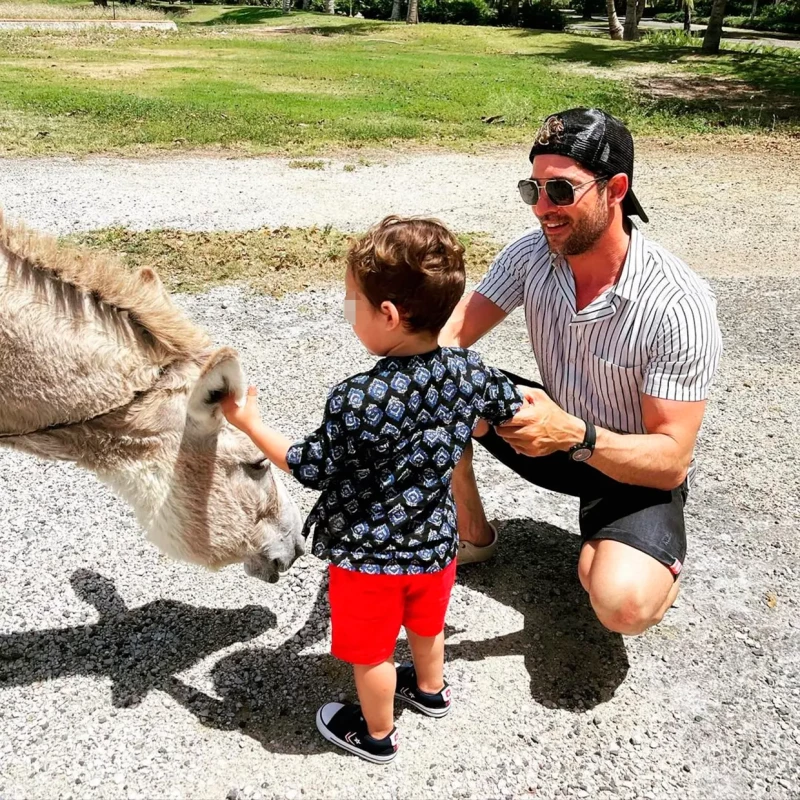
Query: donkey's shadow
[139, 649]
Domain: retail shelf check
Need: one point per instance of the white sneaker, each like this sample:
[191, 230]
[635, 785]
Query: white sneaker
[469, 553]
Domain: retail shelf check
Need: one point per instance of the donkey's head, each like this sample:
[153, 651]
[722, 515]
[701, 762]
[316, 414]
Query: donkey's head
[232, 505]
[98, 366]
[201, 489]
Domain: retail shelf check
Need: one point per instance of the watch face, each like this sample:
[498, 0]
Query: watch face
[582, 454]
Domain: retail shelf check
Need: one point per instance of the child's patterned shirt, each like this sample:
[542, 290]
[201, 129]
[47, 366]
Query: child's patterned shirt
[384, 456]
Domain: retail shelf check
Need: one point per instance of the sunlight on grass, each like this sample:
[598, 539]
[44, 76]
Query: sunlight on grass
[351, 83]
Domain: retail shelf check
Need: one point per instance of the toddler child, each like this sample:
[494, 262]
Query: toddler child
[383, 459]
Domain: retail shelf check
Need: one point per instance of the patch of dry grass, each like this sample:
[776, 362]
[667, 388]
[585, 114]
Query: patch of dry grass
[270, 261]
[77, 12]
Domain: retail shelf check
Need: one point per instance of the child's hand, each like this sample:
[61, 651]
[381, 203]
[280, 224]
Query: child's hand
[245, 418]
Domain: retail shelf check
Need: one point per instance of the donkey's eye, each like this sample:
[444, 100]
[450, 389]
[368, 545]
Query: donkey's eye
[260, 466]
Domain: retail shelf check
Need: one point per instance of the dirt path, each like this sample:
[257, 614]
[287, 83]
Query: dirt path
[729, 207]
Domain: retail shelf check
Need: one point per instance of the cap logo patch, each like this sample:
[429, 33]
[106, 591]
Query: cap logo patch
[551, 128]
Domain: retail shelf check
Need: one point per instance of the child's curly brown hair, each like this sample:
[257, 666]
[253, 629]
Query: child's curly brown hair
[415, 263]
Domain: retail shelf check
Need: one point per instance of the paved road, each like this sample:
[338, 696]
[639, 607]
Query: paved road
[771, 38]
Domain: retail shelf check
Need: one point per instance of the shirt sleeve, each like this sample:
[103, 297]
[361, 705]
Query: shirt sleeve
[501, 400]
[504, 283]
[315, 460]
[686, 351]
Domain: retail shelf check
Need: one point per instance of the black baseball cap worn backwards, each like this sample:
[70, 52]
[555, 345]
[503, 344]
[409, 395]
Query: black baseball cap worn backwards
[594, 139]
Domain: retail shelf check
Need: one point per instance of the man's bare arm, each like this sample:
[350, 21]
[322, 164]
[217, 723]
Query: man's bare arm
[471, 319]
[659, 459]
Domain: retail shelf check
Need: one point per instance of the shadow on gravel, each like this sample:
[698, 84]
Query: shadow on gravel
[573, 661]
[272, 695]
[140, 649]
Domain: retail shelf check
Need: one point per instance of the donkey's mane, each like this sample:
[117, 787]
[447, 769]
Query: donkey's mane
[139, 294]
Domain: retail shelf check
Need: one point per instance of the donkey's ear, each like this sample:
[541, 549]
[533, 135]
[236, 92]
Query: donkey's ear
[222, 375]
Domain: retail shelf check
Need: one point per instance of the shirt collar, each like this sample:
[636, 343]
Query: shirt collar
[629, 283]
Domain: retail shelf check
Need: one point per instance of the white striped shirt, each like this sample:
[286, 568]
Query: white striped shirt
[654, 332]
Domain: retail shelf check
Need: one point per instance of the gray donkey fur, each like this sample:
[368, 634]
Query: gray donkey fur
[98, 367]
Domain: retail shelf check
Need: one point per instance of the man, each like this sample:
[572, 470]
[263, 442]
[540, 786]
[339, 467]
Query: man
[626, 340]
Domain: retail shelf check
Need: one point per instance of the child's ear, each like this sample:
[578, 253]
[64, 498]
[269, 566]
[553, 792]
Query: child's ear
[392, 314]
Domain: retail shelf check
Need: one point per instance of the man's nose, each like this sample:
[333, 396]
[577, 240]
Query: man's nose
[543, 204]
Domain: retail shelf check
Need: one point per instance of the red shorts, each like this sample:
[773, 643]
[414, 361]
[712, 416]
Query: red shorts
[368, 610]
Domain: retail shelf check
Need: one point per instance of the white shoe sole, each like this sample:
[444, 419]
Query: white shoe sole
[356, 751]
[438, 713]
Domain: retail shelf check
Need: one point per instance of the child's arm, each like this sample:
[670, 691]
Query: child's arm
[271, 443]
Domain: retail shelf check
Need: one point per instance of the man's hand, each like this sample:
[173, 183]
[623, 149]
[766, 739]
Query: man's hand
[541, 427]
[246, 418]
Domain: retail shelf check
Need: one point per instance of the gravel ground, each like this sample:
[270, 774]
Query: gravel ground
[125, 675]
[728, 207]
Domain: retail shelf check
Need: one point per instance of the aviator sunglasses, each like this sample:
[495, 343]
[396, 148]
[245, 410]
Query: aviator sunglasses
[560, 191]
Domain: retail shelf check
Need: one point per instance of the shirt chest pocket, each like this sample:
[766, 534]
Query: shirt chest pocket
[617, 388]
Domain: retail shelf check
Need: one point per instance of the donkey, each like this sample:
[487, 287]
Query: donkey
[99, 367]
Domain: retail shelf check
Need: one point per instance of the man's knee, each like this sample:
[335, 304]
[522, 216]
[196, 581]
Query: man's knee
[629, 590]
[627, 608]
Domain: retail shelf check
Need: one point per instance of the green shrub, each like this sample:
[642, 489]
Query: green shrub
[379, 9]
[455, 12]
[539, 15]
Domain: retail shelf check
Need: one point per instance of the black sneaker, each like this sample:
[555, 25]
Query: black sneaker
[343, 725]
[432, 705]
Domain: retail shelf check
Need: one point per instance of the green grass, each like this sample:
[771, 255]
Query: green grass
[344, 83]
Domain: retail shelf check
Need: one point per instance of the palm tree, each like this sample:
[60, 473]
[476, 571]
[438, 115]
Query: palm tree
[395, 11]
[412, 18]
[614, 28]
[714, 30]
[631, 33]
[688, 10]
[330, 6]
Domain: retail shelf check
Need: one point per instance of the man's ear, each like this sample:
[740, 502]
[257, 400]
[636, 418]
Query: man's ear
[392, 314]
[616, 188]
[222, 375]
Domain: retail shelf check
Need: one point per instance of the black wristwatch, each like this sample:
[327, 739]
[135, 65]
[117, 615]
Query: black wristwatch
[584, 450]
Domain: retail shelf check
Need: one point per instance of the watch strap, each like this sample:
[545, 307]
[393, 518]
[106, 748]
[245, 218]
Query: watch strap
[578, 452]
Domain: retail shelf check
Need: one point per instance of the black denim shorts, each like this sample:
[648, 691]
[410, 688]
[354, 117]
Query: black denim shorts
[651, 520]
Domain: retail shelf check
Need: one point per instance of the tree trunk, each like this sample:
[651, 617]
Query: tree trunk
[754, 9]
[639, 11]
[412, 18]
[395, 11]
[512, 15]
[286, 6]
[631, 32]
[687, 18]
[588, 7]
[306, 5]
[714, 30]
[330, 6]
[614, 28]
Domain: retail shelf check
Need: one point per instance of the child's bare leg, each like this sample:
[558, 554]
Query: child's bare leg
[428, 654]
[375, 684]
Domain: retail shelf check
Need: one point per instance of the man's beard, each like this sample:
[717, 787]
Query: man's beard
[585, 231]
